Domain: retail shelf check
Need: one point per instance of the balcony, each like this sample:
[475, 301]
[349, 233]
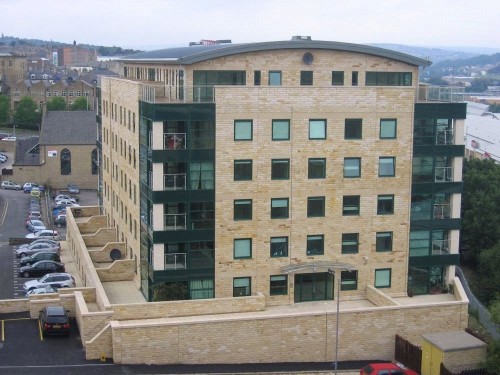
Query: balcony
[159, 93]
[445, 137]
[440, 247]
[174, 141]
[448, 94]
[175, 181]
[174, 221]
[442, 211]
[443, 174]
[175, 261]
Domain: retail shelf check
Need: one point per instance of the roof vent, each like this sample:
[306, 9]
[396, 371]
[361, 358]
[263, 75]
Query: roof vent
[206, 42]
[301, 37]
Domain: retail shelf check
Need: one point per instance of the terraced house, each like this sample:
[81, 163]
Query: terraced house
[258, 179]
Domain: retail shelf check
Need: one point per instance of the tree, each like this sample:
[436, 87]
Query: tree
[488, 283]
[27, 114]
[170, 291]
[493, 357]
[57, 103]
[80, 104]
[4, 110]
[480, 202]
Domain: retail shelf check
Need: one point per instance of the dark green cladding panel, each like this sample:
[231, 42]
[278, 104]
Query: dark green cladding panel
[441, 110]
[178, 112]
[435, 260]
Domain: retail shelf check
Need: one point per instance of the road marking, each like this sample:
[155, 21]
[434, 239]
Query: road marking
[3, 330]
[9, 320]
[40, 330]
[4, 212]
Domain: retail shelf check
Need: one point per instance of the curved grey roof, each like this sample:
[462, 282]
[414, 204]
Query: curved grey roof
[197, 53]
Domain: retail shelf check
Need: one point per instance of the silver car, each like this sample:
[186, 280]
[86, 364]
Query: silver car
[10, 185]
[35, 225]
[33, 248]
[55, 280]
[42, 290]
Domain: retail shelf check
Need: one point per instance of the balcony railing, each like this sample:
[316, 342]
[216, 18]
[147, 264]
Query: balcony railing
[174, 141]
[442, 211]
[174, 181]
[445, 137]
[440, 247]
[175, 221]
[443, 174]
[429, 93]
[177, 94]
[175, 261]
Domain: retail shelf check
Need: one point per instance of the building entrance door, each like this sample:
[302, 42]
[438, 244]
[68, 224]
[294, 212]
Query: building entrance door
[313, 287]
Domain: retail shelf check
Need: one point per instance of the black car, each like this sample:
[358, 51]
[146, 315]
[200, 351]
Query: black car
[54, 321]
[41, 268]
[60, 220]
[37, 257]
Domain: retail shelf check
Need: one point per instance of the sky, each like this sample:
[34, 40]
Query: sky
[153, 24]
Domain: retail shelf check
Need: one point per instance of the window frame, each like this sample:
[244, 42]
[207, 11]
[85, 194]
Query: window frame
[242, 214]
[388, 285]
[357, 125]
[273, 215]
[306, 77]
[315, 237]
[278, 253]
[277, 162]
[345, 211]
[325, 126]
[380, 249]
[337, 78]
[380, 205]
[310, 207]
[354, 78]
[281, 289]
[242, 176]
[249, 286]
[388, 120]
[358, 159]
[271, 77]
[346, 280]
[350, 243]
[240, 240]
[380, 168]
[277, 122]
[309, 169]
[243, 122]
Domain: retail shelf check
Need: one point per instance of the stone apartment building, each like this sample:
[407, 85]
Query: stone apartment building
[75, 55]
[229, 170]
[13, 68]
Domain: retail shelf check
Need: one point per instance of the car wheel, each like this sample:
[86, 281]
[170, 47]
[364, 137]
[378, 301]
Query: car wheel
[3, 187]
[18, 188]
[23, 255]
[26, 274]
[27, 264]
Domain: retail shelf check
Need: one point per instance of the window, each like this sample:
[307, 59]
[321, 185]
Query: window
[386, 166]
[317, 129]
[337, 78]
[95, 161]
[243, 130]
[349, 280]
[242, 248]
[384, 241]
[279, 247]
[65, 162]
[279, 208]
[315, 245]
[278, 285]
[350, 243]
[315, 206]
[242, 287]
[354, 78]
[385, 204]
[388, 79]
[275, 78]
[352, 167]
[316, 168]
[281, 130]
[388, 128]
[201, 176]
[350, 205]
[242, 209]
[256, 78]
[242, 170]
[306, 78]
[383, 278]
[280, 169]
[353, 128]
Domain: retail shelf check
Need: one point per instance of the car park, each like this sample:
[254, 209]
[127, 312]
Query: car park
[63, 197]
[43, 290]
[55, 280]
[41, 268]
[73, 189]
[46, 233]
[60, 220]
[42, 255]
[10, 185]
[54, 320]
[35, 225]
[37, 246]
[387, 368]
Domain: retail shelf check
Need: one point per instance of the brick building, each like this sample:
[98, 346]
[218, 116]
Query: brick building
[13, 68]
[75, 55]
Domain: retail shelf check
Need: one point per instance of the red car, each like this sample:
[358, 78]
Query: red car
[389, 368]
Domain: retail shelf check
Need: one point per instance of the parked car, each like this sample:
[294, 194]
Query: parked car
[73, 189]
[388, 368]
[10, 185]
[29, 185]
[36, 247]
[35, 192]
[40, 241]
[46, 233]
[54, 320]
[65, 202]
[43, 290]
[10, 139]
[41, 268]
[65, 197]
[36, 225]
[3, 158]
[60, 220]
[35, 211]
[41, 255]
[32, 217]
[55, 280]
[34, 206]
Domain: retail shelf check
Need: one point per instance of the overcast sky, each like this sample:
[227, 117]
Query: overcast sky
[148, 24]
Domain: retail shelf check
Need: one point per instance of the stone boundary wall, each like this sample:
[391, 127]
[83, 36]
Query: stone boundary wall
[378, 298]
[14, 305]
[101, 345]
[119, 270]
[103, 255]
[293, 337]
[89, 323]
[100, 237]
[93, 223]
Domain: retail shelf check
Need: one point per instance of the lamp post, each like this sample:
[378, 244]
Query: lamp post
[336, 272]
